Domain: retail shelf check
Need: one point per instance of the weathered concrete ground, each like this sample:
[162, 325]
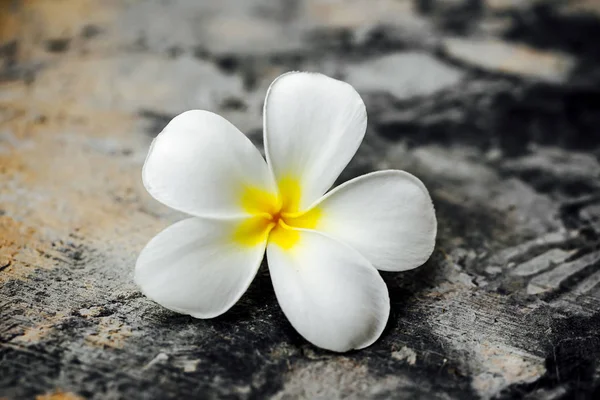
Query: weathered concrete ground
[494, 104]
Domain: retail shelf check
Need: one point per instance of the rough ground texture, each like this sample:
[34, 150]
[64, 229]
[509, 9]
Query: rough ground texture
[494, 104]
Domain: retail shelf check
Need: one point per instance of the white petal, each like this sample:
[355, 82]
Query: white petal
[313, 125]
[194, 267]
[200, 164]
[387, 216]
[330, 293]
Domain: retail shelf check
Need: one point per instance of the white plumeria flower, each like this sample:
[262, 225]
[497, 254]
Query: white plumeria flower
[323, 250]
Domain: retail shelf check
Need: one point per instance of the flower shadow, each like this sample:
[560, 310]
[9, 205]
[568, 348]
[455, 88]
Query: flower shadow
[406, 288]
[259, 301]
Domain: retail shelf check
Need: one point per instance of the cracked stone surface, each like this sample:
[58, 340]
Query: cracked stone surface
[494, 104]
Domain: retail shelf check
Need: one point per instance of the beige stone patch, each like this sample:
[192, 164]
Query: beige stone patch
[68, 167]
[111, 333]
[581, 7]
[504, 367]
[501, 5]
[352, 380]
[38, 332]
[59, 395]
[21, 250]
[511, 58]
[477, 340]
[33, 22]
[358, 13]
[244, 32]
[9, 22]
[35, 334]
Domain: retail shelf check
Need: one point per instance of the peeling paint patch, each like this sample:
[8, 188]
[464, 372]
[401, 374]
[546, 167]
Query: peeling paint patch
[91, 312]
[160, 357]
[405, 354]
[189, 365]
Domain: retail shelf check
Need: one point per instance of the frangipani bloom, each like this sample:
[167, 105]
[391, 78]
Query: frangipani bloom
[323, 250]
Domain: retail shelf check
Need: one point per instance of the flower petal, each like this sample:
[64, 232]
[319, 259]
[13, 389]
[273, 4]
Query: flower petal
[201, 164]
[194, 267]
[313, 125]
[387, 216]
[330, 293]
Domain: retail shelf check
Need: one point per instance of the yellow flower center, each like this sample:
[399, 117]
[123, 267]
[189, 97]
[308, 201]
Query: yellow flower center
[274, 217]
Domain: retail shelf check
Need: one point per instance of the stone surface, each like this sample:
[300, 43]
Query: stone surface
[510, 58]
[403, 75]
[505, 134]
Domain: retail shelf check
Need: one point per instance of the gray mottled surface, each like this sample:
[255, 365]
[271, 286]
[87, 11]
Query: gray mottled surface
[494, 104]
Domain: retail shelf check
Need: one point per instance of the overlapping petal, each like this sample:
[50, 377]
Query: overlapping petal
[387, 216]
[201, 164]
[313, 125]
[329, 292]
[193, 267]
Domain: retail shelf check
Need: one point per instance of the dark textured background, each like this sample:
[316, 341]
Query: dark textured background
[494, 104]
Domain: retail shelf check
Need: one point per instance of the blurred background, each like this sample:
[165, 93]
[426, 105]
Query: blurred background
[494, 104]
